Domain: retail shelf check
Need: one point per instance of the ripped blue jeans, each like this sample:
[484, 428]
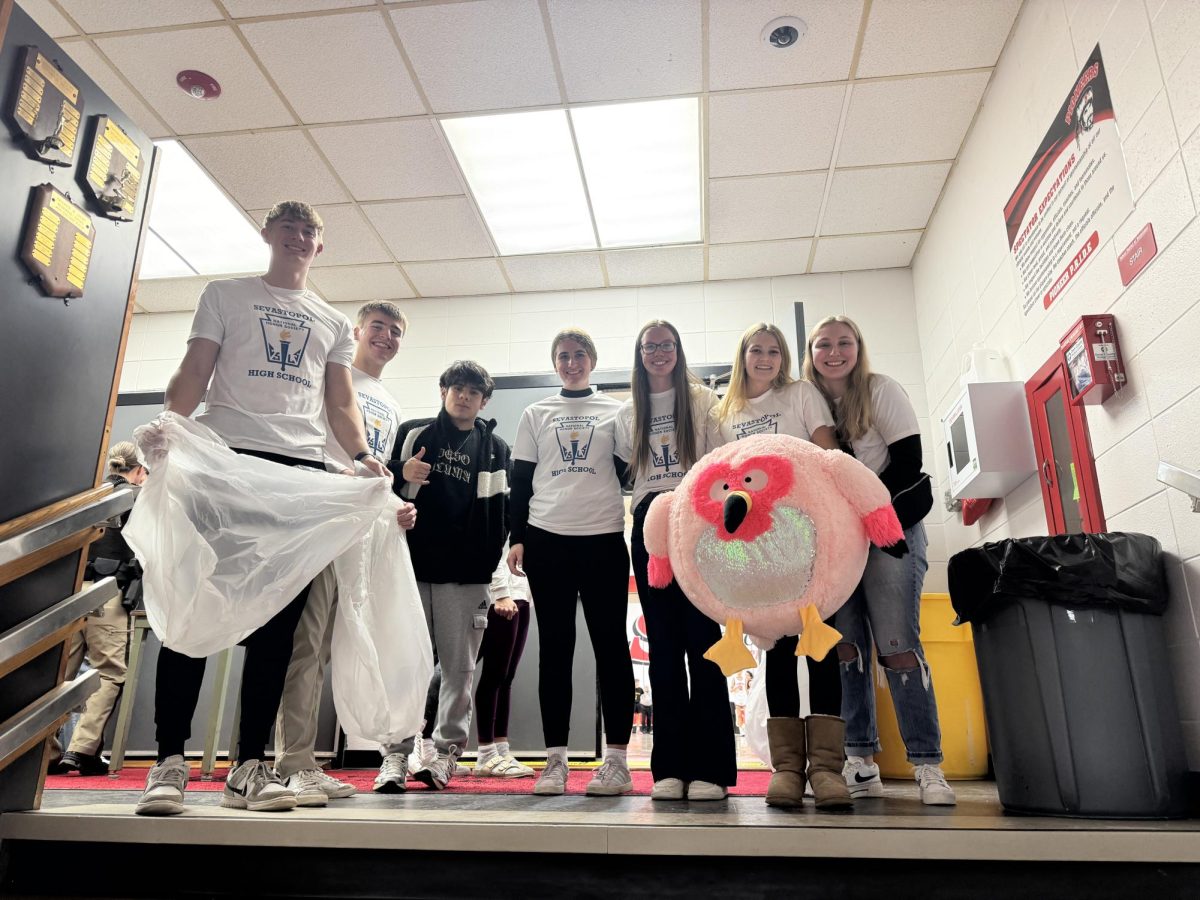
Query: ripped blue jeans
[885, 611]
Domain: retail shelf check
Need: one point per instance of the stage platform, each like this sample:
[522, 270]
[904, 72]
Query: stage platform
[569, 846]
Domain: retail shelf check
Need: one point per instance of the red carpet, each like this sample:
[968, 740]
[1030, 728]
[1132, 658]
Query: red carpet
[752, 783]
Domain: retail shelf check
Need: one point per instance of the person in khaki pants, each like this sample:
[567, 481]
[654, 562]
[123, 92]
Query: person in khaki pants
[105, 636]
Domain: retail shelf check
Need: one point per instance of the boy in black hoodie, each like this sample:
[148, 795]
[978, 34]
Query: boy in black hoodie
[455, 470]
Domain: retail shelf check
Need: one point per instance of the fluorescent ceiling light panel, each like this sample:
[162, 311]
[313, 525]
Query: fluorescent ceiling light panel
[196, 220]
[642, 164]
[524, 175]
[160, 261]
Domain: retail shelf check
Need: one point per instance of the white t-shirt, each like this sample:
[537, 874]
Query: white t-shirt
[892, 418]
[268, 388]
[575, 487]
[381, 417]
[664, 471]
[797, 409]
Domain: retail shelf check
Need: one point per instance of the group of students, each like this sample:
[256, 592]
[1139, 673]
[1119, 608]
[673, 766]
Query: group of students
[559, 503]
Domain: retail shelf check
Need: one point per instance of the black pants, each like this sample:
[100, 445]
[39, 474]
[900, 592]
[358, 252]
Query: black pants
[595, 570]
[783, 691]
[268, 652]
[503, 645]
[693, 734]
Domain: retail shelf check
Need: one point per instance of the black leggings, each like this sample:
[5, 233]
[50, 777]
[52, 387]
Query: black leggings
[503, 644]
[595, 570]
[268, 652]
[783, 691]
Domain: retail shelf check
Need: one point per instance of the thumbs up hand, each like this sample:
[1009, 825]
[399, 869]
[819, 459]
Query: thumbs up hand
[415, 470]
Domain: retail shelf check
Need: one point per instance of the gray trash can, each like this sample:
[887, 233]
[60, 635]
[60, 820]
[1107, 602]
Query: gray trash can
[1077, 689]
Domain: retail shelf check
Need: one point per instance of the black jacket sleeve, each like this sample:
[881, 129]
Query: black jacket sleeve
[622, 468]
[518, 499]
[912, 494]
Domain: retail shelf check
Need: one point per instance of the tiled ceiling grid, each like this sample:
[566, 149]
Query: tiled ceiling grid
[828, 156]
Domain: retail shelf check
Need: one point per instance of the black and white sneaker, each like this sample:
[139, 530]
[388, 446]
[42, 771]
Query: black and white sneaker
[253, 785]
[862, 778]
[438, 774]
[393, 773]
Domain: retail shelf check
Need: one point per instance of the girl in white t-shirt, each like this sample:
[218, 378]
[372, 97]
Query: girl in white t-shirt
[876, 418]
[661, 433]
[763, 398]
[568, 537]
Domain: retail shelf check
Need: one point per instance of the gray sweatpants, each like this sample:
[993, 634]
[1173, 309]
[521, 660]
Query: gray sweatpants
[457, 616]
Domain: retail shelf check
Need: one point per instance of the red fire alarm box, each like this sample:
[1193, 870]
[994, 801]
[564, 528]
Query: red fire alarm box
[1092, 353]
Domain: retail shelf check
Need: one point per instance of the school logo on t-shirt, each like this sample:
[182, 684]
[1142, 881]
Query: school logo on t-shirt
[285, 339]
[768, 424]
[574, 441]
[662, 454]
[377, 417]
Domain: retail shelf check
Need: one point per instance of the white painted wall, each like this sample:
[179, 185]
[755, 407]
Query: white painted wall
[966, 290]
[510, 333]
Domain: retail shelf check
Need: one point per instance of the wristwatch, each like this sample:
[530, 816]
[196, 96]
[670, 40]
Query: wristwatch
[363, 454]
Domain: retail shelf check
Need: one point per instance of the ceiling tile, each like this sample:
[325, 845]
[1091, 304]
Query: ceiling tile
[48, 18]
[170, 294]
[96, 16]
[906, 36]
[259, 170]
[486, 54]
[349, 239]
[758, 260]
[321, 83]
[764, 208]
[151, 62]
[457, 278]
[739, 58]
[554, 272]
[127, 101]
[773, 131]
[628, 49]
[242, 9]
[439, 228]
[655, 265]
[390, 160]
[358, 284]
[865, 251]
[891, 199]
[881, 126]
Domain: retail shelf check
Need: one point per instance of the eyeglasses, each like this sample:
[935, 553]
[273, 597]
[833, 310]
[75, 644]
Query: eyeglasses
[665, 346]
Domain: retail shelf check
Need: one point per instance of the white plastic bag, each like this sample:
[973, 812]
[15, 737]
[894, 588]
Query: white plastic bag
[382, 658]
[227, 540]
[757, 711]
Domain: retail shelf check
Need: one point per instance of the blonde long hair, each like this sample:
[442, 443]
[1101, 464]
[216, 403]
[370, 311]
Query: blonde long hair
[734, 400]
[682, 380]
[853, 414]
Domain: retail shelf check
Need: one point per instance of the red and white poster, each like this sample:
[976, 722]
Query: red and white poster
[1073, 195]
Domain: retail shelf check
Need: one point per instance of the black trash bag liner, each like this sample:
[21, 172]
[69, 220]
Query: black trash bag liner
[1111, 569]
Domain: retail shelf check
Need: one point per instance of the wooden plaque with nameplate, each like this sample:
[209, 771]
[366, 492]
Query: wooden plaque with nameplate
[58, 242]
[114, 171]
[47, 108]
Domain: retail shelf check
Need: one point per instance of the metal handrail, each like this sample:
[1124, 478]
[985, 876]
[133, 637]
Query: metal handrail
[1181, 479]
[27, 634]
[40, 716]
[41, 536]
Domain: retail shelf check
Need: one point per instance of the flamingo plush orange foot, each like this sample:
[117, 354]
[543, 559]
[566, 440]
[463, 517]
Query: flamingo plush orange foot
[730, 651]
[817, 638]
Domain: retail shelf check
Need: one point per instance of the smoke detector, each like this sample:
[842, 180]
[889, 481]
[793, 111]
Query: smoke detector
[199, 85]
[784, 32]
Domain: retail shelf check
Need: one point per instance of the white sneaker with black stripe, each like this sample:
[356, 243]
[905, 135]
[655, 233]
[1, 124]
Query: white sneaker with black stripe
[862, 778]
[253, 785]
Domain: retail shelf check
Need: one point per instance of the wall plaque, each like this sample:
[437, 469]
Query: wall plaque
[114, 171]
[58, 242]
[47, 109]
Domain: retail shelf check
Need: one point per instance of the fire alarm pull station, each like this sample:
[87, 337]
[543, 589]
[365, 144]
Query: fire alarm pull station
[1093, 357]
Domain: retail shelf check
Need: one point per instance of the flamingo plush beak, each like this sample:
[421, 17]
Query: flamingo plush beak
[737, 507]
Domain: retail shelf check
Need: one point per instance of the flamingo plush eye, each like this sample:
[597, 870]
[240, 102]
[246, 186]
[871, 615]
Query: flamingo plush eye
[718, 490]
[754, 480]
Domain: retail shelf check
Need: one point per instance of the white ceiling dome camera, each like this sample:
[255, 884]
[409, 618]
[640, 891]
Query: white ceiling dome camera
[784, 32]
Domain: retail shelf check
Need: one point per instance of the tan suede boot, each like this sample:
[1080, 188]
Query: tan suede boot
[785, 736]
[826, 755]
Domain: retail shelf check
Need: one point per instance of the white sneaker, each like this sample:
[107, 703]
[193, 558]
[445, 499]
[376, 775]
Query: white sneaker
[253, 785]
[553, 779]
[333, 788]
[668, 789]
[862, 778]
[393, 773]
[503, 766]
[306, 788]
[438, 773]
[934, 790]
[611, 778]
[423, 756]
[706, 790]
[165, 785]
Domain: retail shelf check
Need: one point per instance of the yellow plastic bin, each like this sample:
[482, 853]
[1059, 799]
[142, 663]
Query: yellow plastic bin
[950, 652]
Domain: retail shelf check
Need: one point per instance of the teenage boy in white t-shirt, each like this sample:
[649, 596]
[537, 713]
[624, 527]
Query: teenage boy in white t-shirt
[278, 359]
[380, 328]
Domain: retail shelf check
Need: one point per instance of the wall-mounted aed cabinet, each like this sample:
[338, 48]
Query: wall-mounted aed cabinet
[988, 440]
